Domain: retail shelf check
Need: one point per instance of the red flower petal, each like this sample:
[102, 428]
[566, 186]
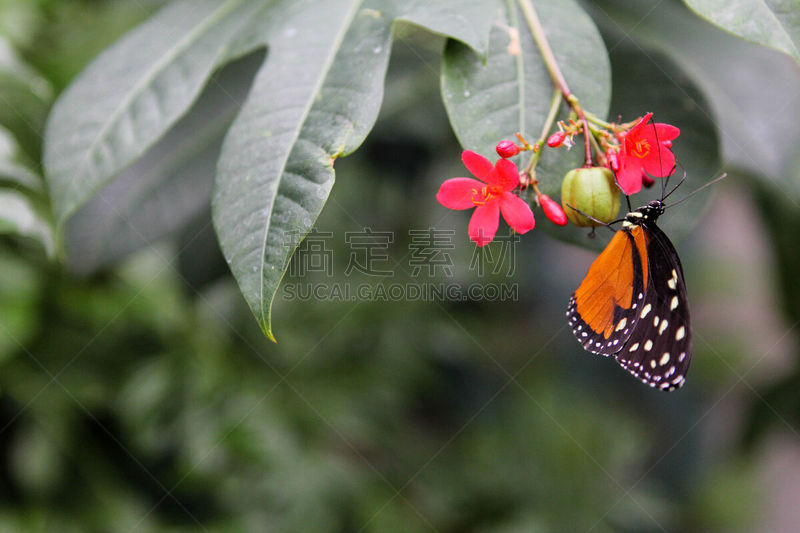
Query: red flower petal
[505, 174]
[457, 193]
[659, 164]
[642, 121]
[477, 164]
[629, 178]
[517, 213]
[666, 132]
[484, 222]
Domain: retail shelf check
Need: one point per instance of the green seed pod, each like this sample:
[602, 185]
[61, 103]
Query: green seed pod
[591, 191]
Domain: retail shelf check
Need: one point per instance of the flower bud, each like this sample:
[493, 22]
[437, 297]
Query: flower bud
[506, 149]
[591, 191]
[556, 139]
[552, 210]
[647, 181]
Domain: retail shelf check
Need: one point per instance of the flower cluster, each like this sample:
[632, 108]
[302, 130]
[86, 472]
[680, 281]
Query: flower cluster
[631, 156]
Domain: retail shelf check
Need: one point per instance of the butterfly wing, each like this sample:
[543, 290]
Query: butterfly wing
[659, 349]
[603, 311]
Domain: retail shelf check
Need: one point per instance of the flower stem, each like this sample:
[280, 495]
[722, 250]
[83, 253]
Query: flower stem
[594, 119]
[555, 103]
[555, 73]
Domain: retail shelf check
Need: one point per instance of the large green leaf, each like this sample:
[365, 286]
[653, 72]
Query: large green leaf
[773, 23]
[132, 93]
[512, 91]
[315, 99]
[166, 187]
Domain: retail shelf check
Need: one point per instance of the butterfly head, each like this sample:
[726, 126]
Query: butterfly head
[653, 210]
[646, 214]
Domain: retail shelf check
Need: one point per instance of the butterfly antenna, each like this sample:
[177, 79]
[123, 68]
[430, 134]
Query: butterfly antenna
[709, 184]
[660, 161]
[598, 222]
[665, 182]
[675, 188]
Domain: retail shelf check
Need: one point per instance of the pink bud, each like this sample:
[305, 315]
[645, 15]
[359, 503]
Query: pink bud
[552, 210]
[556, 139]
[506, 149]
[647, 181]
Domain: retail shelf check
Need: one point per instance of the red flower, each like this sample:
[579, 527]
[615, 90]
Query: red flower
[490, 196]
[645, 148]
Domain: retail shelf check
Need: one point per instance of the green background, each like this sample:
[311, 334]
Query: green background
[144, 397]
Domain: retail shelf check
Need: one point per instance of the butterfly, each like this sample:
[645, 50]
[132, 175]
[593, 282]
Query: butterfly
[632, 303]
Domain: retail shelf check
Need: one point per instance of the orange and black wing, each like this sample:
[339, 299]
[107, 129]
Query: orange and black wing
[603, 312]
[659, 349]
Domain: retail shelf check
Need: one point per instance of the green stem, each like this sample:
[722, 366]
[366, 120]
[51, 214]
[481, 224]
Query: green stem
[555, 103]
[555, 73]
[594, 119]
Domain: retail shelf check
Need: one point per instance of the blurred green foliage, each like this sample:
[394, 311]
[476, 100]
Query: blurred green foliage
[145, 398]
